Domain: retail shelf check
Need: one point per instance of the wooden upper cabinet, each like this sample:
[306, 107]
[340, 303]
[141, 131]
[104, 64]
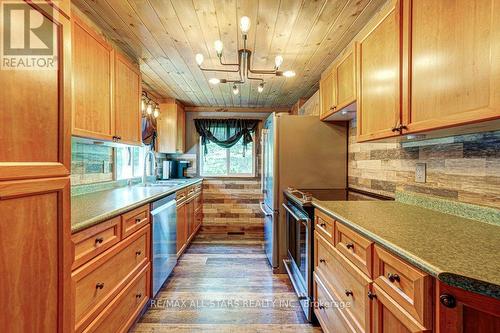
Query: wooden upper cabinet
[93, 59]
[346, 81]
[379, 97]
[35, 111]
[453, 64]
[171, 127]
[127, 101]
[36, 255]
[327, 94]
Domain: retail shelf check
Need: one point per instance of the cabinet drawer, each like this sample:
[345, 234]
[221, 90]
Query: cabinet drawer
[355, 247]
[90, 242]
[120, 314]
[134, 220]
[327, 310]
[181, 196]
[101, 279]
[324, 224]
[345, 282]
[407, 285]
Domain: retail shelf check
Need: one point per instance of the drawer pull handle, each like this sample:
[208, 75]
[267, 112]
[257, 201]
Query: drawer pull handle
[448, 300]
[322, 260]
[99, 240]
[393, 277]
[139, 295]
[350, 246]
[138, 253]
[371, 295]
[99, 285]
[348, 293]
[322, 307]
[322, 225]
[138, 220]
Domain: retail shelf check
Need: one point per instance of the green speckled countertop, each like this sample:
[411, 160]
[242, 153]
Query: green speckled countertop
[458, 251]
[92, 208]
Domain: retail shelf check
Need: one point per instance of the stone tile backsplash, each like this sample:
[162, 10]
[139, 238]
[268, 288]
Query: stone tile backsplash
[91, 163]
[464, 168]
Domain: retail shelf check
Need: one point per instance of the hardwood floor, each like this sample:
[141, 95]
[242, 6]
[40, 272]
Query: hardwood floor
[224, 284]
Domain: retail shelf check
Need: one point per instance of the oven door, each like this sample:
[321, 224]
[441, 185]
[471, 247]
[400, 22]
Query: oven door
[299, 263]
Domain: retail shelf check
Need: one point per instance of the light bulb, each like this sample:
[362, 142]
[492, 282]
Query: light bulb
[235, 90]
[156, 113]
[218, 46]
[278, 61]
[260, 88]
[214, 80]
[289, 74]
[245, 24]
[199, 59]
[149, 109]
[143, 105]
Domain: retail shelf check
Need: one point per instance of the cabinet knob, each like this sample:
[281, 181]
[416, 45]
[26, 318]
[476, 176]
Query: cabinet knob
[322, 225]
[393, 277]
[371, 295]
[99, 240]
[322, 260]
[322, 307]
[138, 220]
[99, 285]
[138, 253]
[118, 138]
[138, 295]
[348, 293]
[448, 300]
[350, 246]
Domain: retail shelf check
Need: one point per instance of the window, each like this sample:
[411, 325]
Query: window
[228, 162]
[129, 162]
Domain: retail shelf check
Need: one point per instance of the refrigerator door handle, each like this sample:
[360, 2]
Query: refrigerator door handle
[261, 204]
[263, 158]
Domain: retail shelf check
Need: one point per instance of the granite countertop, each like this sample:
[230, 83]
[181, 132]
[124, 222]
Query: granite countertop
[92, 208]
[458, 251]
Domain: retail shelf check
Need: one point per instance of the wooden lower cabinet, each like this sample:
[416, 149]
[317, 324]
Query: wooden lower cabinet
[34, 249]
[189, 215]
[461, 311]
[389, 316]
[327, 310]
[120, 314]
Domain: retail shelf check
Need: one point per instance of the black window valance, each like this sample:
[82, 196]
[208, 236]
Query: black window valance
[225, 132]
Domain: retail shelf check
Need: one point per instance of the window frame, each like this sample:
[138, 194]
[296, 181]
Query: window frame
[228, 163]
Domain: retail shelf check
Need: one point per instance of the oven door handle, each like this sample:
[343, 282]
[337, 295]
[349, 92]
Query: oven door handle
[261, 204]
[295, 216]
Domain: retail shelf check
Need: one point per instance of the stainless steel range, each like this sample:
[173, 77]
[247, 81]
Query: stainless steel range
[300, 230]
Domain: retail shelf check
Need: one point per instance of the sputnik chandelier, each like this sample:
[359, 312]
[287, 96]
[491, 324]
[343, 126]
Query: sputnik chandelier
[243, 67]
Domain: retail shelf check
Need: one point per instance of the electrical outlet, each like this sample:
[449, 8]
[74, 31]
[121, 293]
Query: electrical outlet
[420, 173]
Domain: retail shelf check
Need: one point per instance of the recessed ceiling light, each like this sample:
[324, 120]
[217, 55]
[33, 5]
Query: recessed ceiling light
[214, 80]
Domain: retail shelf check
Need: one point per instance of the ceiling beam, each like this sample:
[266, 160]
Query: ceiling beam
[234, 109]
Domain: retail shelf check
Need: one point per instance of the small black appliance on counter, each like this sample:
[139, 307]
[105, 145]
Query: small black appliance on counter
[178, 169]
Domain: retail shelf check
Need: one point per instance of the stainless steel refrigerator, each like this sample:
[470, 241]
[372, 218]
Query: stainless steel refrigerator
[300, 152]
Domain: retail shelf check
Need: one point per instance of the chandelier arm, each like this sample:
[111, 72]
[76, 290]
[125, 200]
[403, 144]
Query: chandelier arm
[262, 71]
[255, 78]
[219, 70]
[227, 64]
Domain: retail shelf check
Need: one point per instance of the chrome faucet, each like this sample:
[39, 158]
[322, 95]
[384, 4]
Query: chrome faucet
[153, 163]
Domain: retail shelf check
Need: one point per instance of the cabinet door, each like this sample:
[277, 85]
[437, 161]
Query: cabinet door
[127, 101]
[181, 130]
[390, 317]
[181, 228]
[379, 100]
[453, 64]
[35, 106]
[327, 94]
[346, 81]
[93, 59]
[190, 218]
[458, 310]
[36, 255]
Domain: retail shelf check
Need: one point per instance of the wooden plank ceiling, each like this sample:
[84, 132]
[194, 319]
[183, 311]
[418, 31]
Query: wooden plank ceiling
[165, 35]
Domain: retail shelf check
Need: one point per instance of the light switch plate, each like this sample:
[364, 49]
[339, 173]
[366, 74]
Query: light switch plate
[420, 173]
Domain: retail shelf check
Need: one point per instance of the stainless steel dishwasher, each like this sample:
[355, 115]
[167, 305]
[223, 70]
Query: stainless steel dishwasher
[164, 247]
